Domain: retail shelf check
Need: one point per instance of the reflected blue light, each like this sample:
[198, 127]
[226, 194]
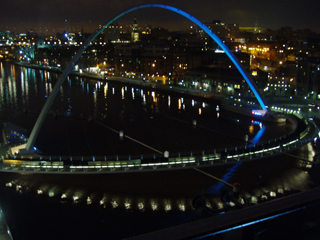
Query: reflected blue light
[216, 189]
[258, 136]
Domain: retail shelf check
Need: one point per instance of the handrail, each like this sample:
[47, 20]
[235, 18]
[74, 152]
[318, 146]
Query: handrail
[101, 164]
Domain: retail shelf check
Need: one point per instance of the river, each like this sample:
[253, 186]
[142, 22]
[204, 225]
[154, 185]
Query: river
[119, 205]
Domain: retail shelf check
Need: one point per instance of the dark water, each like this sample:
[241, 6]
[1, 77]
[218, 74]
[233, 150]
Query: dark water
[116, 206]
[162, 121]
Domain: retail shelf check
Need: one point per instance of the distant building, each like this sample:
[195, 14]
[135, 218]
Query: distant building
[308, 76]
[112, 32]
[221, 76]
[135, 32]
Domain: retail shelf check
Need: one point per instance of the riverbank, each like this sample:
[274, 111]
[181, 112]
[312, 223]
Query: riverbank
[134, 81]
[306, 107]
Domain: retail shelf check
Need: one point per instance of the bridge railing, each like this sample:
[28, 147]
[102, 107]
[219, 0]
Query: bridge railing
[304, 131]
[101, 166]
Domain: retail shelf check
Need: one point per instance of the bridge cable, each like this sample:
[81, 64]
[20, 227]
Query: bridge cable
[130, 138]
[218, 179]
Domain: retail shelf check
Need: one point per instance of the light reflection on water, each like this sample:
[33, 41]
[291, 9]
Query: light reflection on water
[80, 98]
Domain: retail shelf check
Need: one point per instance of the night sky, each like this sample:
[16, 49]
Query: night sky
[19, 15]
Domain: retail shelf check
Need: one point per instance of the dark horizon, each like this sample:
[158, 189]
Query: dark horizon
[19, 16]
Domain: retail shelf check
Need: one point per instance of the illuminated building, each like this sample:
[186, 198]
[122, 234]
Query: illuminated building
[135, 32]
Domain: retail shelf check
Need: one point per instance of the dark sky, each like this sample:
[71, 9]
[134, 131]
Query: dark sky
[267, 13]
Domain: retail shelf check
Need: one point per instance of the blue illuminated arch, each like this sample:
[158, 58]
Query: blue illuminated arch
[64, 75]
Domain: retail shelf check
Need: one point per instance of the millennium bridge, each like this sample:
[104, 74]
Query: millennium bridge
[26, 160]
[304, 132]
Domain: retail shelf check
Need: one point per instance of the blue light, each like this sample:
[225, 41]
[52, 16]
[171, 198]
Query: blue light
[255, 122]
[251, 223]
[258, 136]
[215, 189]
[256, 113]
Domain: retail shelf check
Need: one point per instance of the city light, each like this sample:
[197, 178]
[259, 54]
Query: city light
[144, 73]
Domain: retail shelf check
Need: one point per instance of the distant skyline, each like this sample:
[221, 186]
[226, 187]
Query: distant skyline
[18, 15]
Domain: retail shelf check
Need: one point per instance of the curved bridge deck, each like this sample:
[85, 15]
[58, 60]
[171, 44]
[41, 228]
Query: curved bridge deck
[304, 133]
